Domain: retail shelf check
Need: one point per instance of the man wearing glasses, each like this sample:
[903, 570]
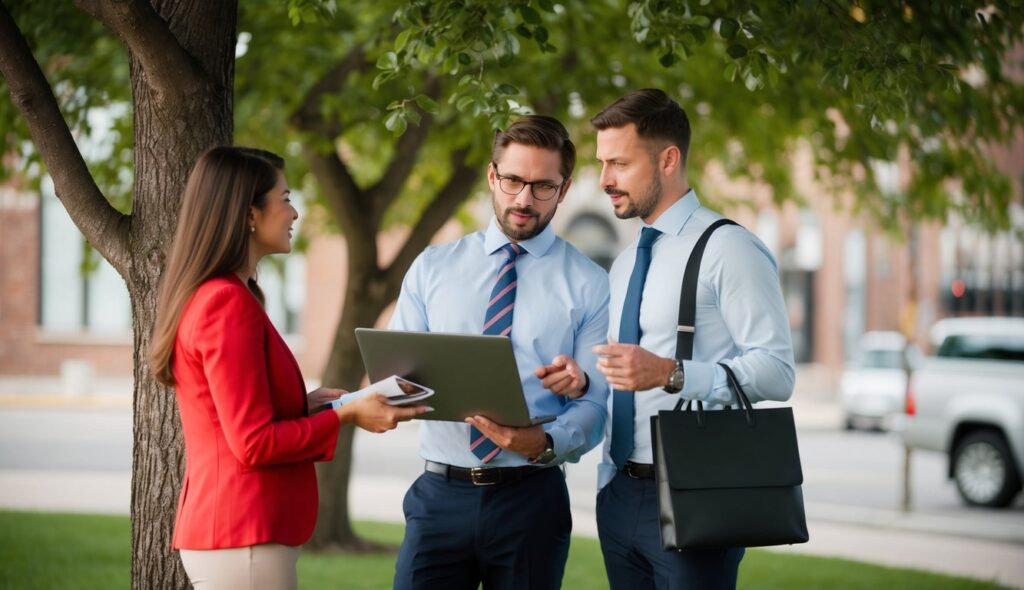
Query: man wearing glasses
[491, 506]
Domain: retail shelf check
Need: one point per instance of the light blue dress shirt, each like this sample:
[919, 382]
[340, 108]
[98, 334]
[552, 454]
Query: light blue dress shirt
[741, 318]
[561, 308]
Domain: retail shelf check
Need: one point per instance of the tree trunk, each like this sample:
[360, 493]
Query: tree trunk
[169, 137]
[366, 296]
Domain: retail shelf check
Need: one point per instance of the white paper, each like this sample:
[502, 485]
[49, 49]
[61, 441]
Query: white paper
[392, 389]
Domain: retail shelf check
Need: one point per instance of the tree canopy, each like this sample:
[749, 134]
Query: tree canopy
[854, 81]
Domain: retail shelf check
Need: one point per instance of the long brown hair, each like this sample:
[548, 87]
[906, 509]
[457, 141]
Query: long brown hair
[212, 238]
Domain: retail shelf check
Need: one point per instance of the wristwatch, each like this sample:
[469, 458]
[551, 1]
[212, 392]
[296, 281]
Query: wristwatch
[676, 378]
[548, 454]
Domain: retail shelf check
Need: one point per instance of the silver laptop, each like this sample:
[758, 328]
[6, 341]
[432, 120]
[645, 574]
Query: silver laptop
[471, 375]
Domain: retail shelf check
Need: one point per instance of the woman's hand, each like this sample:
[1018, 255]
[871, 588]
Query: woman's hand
[373, 414]
[318, 398]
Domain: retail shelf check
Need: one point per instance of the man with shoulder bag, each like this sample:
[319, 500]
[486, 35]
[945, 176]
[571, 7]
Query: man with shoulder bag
[740, 321]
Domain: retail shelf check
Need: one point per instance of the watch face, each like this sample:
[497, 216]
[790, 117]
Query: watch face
[675, 381]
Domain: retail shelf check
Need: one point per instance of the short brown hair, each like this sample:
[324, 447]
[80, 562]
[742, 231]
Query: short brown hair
[656, 116]
[538, 131]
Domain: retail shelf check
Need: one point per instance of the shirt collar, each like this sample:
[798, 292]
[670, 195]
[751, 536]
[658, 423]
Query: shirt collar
[538, 245]
[673, 219]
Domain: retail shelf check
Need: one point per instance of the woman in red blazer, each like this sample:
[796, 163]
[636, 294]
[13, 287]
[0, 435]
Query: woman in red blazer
[249, 497]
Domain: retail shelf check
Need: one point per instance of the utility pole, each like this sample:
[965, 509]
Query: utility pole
[908, 325]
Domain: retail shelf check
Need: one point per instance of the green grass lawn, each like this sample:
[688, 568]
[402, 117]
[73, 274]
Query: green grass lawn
[51, 551]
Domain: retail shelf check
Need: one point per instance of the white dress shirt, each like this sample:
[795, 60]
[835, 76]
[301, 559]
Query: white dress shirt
[741, 318]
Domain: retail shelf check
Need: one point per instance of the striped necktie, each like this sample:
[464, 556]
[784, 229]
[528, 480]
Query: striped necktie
[623, 407]
[498, 322]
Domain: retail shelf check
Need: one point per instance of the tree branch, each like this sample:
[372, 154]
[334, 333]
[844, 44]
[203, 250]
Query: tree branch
[307, 116]
[343, 198]
[389, 187]
[102, 225]
[440, 210]
[169, 68]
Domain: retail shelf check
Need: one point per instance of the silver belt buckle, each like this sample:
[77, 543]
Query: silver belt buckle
[476, 475]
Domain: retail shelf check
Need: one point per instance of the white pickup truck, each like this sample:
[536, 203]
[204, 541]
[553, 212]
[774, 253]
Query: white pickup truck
[967, 400]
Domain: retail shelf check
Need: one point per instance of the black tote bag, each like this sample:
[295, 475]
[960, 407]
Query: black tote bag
[728, 478]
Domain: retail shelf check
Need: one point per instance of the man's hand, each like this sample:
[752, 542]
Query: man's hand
[528, 441]
[318, 398]
[562, 377]
[627, 367]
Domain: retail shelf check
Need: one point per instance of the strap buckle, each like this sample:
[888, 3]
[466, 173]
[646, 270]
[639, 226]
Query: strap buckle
[685, 329]
[480, 476]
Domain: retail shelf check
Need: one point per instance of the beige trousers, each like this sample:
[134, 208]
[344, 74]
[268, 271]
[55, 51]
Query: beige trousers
[257, 567]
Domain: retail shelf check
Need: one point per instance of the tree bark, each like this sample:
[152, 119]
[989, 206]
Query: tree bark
[170, 133]
[182, 73]
[366, 296]
[369, 290]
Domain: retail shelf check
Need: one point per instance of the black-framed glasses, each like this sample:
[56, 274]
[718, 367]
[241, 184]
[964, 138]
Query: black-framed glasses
[542, 189]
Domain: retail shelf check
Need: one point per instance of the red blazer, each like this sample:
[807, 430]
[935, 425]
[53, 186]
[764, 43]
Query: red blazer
[249, 447]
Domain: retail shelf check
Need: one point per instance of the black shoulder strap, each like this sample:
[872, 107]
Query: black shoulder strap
[688, 296]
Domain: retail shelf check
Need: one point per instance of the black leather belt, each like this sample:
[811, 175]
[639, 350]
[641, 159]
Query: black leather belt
[483, 476]
[639, 470]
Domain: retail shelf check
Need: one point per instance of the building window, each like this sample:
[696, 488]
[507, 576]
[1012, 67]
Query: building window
[79, 291]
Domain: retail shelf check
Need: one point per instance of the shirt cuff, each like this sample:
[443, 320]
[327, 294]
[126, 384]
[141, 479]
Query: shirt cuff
[705, 382]
[560, 438]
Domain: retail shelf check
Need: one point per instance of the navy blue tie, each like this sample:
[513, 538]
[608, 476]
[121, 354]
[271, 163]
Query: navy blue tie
[623, 409]
[498, 322]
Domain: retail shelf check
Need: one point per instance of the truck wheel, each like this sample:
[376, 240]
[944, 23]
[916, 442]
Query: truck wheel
[984, 470]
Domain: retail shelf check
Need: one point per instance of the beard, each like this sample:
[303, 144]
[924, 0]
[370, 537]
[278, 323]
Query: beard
[643, 204]
[522, 232]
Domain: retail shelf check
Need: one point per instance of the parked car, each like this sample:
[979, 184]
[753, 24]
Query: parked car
[968, 401]
[873, 387]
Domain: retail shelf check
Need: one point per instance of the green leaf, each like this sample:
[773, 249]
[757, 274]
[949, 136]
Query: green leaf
[668, 59]
[395, 123]
[402, 39]
[388, 61]
[381, 78]
[546, 5]
[730, 71]
[736, 51]
[524, 31]
[427, 104]
[506, 89]
[464, 58]
[464, 103]
[413, 117]
[529, 14]
[728, 28]
[541, 35]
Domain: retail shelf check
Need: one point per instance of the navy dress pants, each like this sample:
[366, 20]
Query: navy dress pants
[505, 536]
[627, 524]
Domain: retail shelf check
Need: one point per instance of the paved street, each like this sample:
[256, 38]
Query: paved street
[80, 459]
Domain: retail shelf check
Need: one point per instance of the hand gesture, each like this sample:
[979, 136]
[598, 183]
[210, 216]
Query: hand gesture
[627, 367]
[562, 377]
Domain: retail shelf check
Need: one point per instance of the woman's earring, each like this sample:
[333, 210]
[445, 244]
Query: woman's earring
[252, 229]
